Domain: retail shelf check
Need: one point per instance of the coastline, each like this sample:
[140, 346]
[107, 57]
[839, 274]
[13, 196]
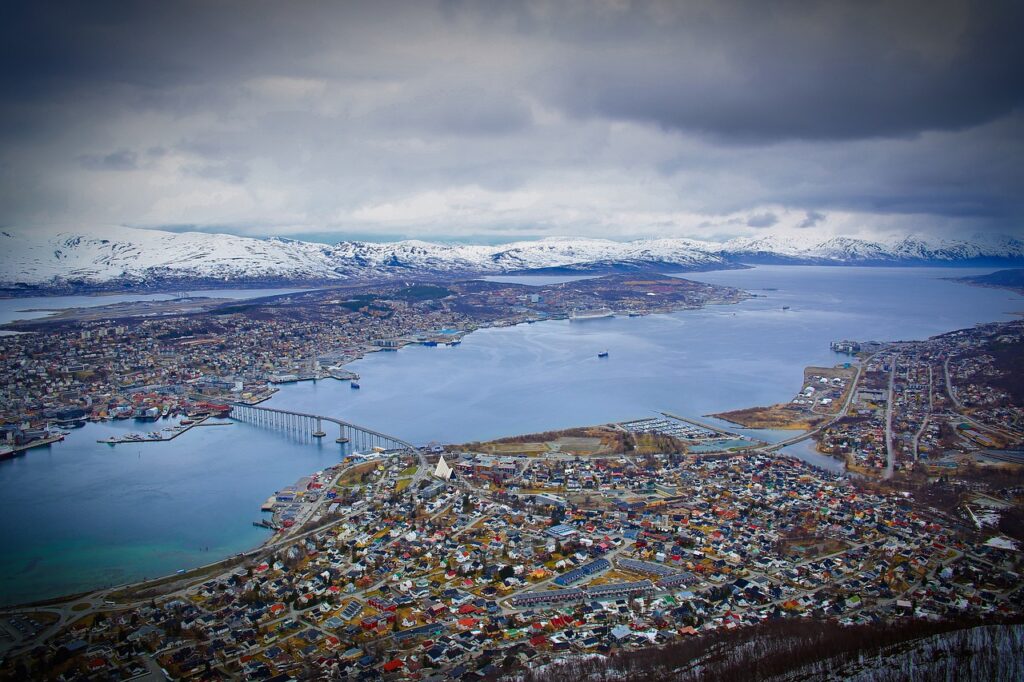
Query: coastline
[269, 540]
[495, 323]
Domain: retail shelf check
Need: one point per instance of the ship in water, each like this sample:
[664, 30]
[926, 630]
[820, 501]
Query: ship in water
[603, 354]
[578, 315]
[354, 385]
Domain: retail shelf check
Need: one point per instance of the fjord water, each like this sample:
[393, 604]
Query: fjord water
[536, 377]
[12, 309]
[79, 514]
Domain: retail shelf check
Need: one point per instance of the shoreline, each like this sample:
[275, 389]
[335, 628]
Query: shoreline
[505, 322]
[497, 323]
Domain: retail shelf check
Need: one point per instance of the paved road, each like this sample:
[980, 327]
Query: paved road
[917, 436]
[949, 385]
[890, 453]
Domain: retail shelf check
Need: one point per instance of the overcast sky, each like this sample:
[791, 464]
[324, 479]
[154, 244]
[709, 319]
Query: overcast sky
[507, 120]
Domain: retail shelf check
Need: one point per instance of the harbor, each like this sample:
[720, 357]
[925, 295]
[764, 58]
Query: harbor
[699, 437]
[167, 433]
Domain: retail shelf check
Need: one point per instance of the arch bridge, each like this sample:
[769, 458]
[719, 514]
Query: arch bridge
[313, 425]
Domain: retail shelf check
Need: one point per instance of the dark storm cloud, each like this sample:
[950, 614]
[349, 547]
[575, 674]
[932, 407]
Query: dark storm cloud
[803, 70]
[544, 116]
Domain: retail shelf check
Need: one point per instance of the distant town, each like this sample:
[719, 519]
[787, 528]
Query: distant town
[151, 359]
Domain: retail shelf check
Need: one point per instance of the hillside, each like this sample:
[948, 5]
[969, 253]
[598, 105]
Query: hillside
[1004, 279]
[797, 651]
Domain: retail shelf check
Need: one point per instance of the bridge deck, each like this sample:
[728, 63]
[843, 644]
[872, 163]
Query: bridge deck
[257, 409]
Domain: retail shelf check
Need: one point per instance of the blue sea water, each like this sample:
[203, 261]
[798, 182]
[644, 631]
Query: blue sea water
[79, 514]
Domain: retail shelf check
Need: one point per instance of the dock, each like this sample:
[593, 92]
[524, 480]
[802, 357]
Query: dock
[166, 434]
[717, 429]
[342, 374]
[19, 450]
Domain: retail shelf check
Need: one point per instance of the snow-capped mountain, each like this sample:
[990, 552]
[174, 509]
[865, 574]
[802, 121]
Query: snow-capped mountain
[151, 258]
[910, 250]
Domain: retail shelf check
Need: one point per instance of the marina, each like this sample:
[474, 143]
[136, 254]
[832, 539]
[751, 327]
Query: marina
[165, 434]
[698, 437]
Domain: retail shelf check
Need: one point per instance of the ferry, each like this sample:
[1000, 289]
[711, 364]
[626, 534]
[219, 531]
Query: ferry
[603, 354]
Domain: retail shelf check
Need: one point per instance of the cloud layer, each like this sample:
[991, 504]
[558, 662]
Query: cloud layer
[496, 120]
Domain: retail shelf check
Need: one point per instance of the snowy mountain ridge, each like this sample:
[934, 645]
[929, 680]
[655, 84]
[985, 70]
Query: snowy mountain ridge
[137, 257]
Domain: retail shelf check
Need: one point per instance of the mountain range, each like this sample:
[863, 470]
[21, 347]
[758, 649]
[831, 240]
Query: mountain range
[137, 258]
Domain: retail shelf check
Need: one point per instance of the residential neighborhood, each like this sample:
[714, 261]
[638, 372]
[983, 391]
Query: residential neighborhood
[494, 566]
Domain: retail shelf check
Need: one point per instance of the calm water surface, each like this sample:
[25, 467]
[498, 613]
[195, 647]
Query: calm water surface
[79, 514]
[12, 309]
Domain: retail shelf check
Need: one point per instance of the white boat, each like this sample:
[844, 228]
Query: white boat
[594, 314]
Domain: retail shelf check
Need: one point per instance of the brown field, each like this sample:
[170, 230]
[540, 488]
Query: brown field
[513, 448]
[594, 440]
[772, 417]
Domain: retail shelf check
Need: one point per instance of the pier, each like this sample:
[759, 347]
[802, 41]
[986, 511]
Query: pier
[10, 451]
[704, 425]
[313, 425]
[165, 434]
